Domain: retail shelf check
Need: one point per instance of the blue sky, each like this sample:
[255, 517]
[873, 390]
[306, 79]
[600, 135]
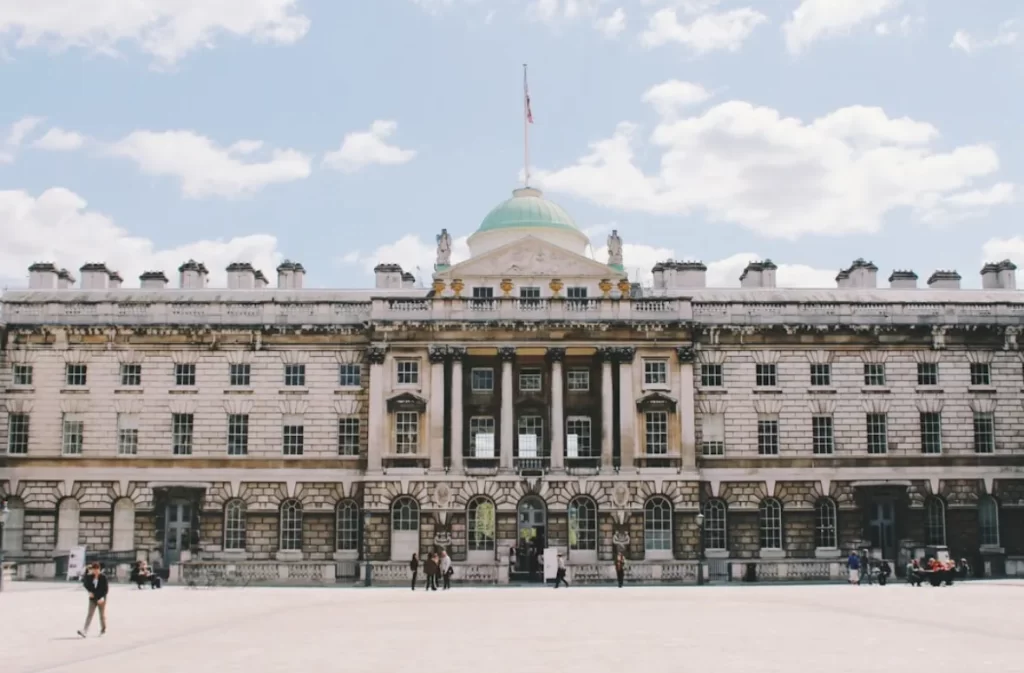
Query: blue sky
[344, 133]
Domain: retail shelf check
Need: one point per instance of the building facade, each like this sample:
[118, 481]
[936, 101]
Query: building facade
[531, 398]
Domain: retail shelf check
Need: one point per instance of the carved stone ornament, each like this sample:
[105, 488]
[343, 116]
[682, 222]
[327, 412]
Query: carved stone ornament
[442, 496]
[625, 353]
[457, 287]
[437, 354]
[438, 287]
[685, 354]
[620, 538]
[507, 353]
[507, 286]
[620, 496]
[624, 287]
[556, 286]
[556, 354]
[1011, 335]
[442, 538]
[457, 352]
[606, 354]
[606, 287]
[375, 355]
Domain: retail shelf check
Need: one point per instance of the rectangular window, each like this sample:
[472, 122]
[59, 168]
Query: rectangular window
[131, 375]
[184, 375]
[72, 436]
[984, 432]
[656, 432]
[481, 436]
[655, 372]
[127, 435]
[407, 432]
[350, 375]
[927, 373]
[482, 379]
[181, 434]
[878, 433]
[531, 436]
[22, 375]
[577, 437]
[407, 372]
[931, 432]
[822, 435]
[821, 375]
[295, 375]
[874, 374]
[75, 375]
[239, 375]
[712, 434]
[529, 297]
[576, 292]
[238, 434]
[981, 374]
[293, 439]
[768, 437]
[578, 380]
[17, 434]
[348, 436]
[711, 376]
[483, 298]
[766, 376]
[529, 381]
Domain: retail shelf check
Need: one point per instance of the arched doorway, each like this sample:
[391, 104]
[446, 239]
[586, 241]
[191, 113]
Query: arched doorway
[532, 517]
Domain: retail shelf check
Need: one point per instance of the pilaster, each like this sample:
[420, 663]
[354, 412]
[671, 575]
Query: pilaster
[507, 420]
[627, 406]
[555, 357]
[377, 414]
[687, 420]
[435, 407]
[457, 354]
[607, 408]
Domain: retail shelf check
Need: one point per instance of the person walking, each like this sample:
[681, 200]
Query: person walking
[414, 566]
[95, 582]
[620, 568]
[853, 566]
[560, 575]
[446, 570]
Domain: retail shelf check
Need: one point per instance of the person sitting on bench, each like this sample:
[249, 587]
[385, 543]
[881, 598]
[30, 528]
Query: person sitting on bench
[914, 576]
[141, 574]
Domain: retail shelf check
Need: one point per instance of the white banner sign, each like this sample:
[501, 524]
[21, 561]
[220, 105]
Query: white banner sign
[76, 563]
[527, 446]
[484, 445]
[572, 446]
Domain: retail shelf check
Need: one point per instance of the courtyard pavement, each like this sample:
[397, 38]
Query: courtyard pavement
[726, 629]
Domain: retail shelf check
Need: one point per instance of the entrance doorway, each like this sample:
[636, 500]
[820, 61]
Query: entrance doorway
[882, 528]
[533, 519]
[178, 533]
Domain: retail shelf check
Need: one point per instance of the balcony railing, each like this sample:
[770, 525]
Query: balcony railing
[659, 460]
[405, 460]
[532, 466]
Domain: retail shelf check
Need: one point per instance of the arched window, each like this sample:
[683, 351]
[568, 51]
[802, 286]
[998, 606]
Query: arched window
[658, 525]
[14, 529]
[583, 525]
[826, 528]
[935, 522]
[67, 524]
[988, 521]
[769, 515]
[123, 529]
[346, 526]
[234, 525]
[405, 529]
[480, 524]
[715, 532]
[291, 525]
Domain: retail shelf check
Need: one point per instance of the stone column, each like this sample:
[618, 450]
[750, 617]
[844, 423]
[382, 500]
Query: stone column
[435, 407]
[555, 356]
[687, 421]
[607, 408]
[377, 420]
[507, 421]
[627, 406]
[457, 354]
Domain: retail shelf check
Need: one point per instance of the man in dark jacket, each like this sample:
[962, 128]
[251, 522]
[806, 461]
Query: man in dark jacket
[95, 582]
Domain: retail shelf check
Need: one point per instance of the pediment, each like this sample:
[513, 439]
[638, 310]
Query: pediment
[530, 257]
[656, 401]
[407, 402]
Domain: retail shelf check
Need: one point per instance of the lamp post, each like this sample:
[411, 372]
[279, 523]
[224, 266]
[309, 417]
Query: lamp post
[3, 521]
[700, 549]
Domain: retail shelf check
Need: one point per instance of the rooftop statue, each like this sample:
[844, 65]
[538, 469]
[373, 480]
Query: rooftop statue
[614, 249]
[444, 248]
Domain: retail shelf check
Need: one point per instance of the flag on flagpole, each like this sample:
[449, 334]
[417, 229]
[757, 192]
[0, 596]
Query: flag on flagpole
[526, 93]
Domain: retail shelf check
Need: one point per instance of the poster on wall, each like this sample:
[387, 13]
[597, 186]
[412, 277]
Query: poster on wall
[76, 563]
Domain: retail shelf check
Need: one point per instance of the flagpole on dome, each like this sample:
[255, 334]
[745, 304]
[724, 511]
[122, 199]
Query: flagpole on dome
[527, 120]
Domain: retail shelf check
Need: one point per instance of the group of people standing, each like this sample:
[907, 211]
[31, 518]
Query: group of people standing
[436, 569]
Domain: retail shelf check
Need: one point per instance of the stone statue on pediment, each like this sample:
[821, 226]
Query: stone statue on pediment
[444, 248]
[614, 249]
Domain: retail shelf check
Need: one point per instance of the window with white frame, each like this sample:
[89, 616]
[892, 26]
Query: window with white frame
[238, 434]
[480, 524]
[981, 374]
[821, 375]
[234, 525]
[17, 433]
[295, 376]
[576, 292]
[582, 525]
[656, 373]
[529, 297]
[531, 436]
[291, 525]
[22, 375]
[711, 376]
[348, 436]
[927, 373]
[529, 380]
[874, 374]
[181, 434]
[405, 515]
[127, 435]
[984, 432]
[877, 433]
[988, 521]
[184, 374]
[346, 526]
[578, 442]
[350, 375]
[482, 379]
[131, 375]
[658, 525]
[656, 433]
[239, 375]
[483, 297]
[75, 375]
[293, 436]
[931, 432]
[578, 380]
[407, 432]
[826, 527]
[935, 521]
[715, 530]
[767, 436]
[769, 523]
[822, 435]
[481, 436]
[712, 434]
[14, 530]
[73, 435]
[766, 375]
[407, 372]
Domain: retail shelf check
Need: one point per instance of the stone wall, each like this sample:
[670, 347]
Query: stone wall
[457, 529]
[261, 536]
[743, 535]
[798, 529]
[40, 534]
[378, 537]
[94, 531]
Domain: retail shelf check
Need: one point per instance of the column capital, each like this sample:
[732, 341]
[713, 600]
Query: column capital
[686, 355]
[507, 353]
[375, 354]
[625, 354]
[457, 353]
[556, 354]
[606, 353]
[437, 354]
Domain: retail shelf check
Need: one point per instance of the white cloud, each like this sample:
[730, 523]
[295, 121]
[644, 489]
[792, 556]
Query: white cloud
[366, 148]
[59, 140]
[817, 19]
[706, 33]
[611, 26]
[410, 252]
[16, 135]
[967, 205]
[903, 27]
[778, 176]
[670, 97]
[969, 44]
[551, 11]
[206, 169]
[57, 226]
[167, 29]
[998, 249]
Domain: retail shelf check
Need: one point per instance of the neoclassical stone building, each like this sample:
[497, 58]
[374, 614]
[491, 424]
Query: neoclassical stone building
[531, 397]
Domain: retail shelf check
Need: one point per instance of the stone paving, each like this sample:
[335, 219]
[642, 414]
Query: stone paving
[728, 629]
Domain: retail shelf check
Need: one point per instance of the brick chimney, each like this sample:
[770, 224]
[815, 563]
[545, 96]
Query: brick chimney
[94, 276]
[388, 276]
[903, 280]
[192, 275]
[759, 274]
[42, 276]
[944, 280]
[64, 279]
[114, 281]
[999, 275]
[261, 280]
[861, 275]
[241, 276]
[153, 280]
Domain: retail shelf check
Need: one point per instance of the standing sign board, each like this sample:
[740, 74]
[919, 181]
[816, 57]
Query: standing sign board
[76, 563]
[550, 563]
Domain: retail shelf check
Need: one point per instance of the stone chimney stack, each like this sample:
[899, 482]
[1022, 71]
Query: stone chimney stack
[42, 276]
[95, 276]
[843, 279]
[192, 275]
[298, 276]
[64, 279]
[241, 276]
[903, 280]
[999, 276]
[114, 281]
[153, 280]
[658, 274]
[388, 276]
[944, 280]
[290, 275]
[408, 280]
[759, 275]
[261, 280]
[863, 275]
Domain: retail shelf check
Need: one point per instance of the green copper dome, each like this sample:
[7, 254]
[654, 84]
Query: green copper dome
[527, 209]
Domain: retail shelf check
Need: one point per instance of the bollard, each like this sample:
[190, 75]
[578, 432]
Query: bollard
[368, 575]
